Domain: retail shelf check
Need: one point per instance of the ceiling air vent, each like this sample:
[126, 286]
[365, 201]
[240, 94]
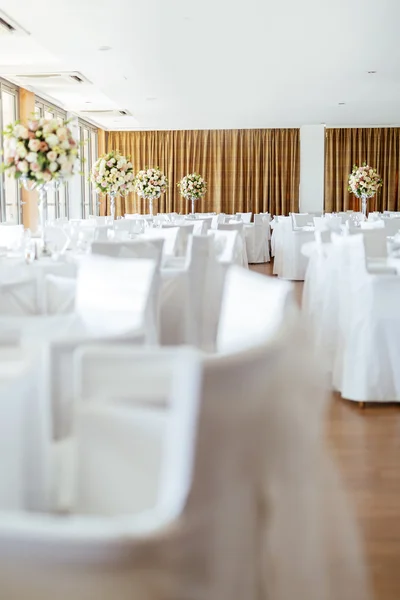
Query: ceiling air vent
[106, 113]
[43, 80]
[10, 27]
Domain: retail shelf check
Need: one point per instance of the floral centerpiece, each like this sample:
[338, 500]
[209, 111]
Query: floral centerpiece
[192, 187]
[41, 151]
[113, 174]
[364, 182]
[40, 155]
[150, 183]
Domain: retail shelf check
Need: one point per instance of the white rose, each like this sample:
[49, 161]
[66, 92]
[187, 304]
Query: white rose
[46, 176]
[53, 167]
[21, 131]
[31, 157]
[21, 150]
[62, 159]
[52, 140]
[66, 168]
[52, 156]
[65, 145]
[23, 166]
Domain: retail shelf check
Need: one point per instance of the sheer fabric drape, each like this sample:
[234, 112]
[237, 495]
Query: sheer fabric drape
[379, 147]
[255, 170]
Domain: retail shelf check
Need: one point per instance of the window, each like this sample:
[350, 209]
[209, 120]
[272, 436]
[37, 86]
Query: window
[57, 201]
[89, 154]
[10, 198]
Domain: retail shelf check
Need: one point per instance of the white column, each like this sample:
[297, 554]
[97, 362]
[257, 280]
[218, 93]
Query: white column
[312, 168]
[75, 182]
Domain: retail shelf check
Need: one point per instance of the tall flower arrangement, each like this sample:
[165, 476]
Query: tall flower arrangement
[192, 186]
[113, 174]
[150, 183]
[41, 151]
[364, 181]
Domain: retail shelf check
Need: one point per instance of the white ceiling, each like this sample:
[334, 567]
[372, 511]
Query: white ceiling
[205, 64]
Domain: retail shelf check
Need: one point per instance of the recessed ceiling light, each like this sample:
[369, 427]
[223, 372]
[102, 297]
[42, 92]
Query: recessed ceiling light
[88, 102]
[371, 72]
[342, 103]
[105, 48]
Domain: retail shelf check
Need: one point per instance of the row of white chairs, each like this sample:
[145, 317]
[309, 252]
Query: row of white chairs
[184, 476]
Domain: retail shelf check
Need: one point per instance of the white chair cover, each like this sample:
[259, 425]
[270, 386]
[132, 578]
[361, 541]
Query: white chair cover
[117, 296]
[239, 227]
[245, 217]
[139, 248]
[257, 240]
[57, 239]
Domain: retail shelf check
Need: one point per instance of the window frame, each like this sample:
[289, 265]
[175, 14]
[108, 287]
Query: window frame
[91, 129]
[12, 89]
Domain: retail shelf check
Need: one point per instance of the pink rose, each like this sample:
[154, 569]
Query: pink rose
[47, 176]
[109, 163]
[43, 147]
[35, 167]
[23, 166]
[31, 135]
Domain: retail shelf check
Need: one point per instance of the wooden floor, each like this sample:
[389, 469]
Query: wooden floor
[366, 444]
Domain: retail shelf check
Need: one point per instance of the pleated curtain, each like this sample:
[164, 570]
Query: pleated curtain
[380, 148]
[247, 170]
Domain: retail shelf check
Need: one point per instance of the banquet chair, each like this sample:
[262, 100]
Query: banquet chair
[227, 247]
[20, 297]
[252, 306]
[301, 220]
[191, 297]
[370, 332]
[239, 227]
[257, 241]
[171, 234]
[244, 217]
[57, 239]
[139, 248]
[392, 226]
[117, 296]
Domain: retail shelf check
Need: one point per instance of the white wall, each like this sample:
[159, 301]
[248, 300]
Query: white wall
[312, 157]
[74, 184]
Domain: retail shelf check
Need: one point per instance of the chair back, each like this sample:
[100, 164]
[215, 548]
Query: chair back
[392, 226]
[244, 217]
[139, 248]
[301, 220]
[117, 296]
[375, 244]
[252, 305]
[57, 239]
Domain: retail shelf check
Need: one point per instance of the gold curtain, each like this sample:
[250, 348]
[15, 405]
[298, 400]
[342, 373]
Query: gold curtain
[380, 148]
[246, 170]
